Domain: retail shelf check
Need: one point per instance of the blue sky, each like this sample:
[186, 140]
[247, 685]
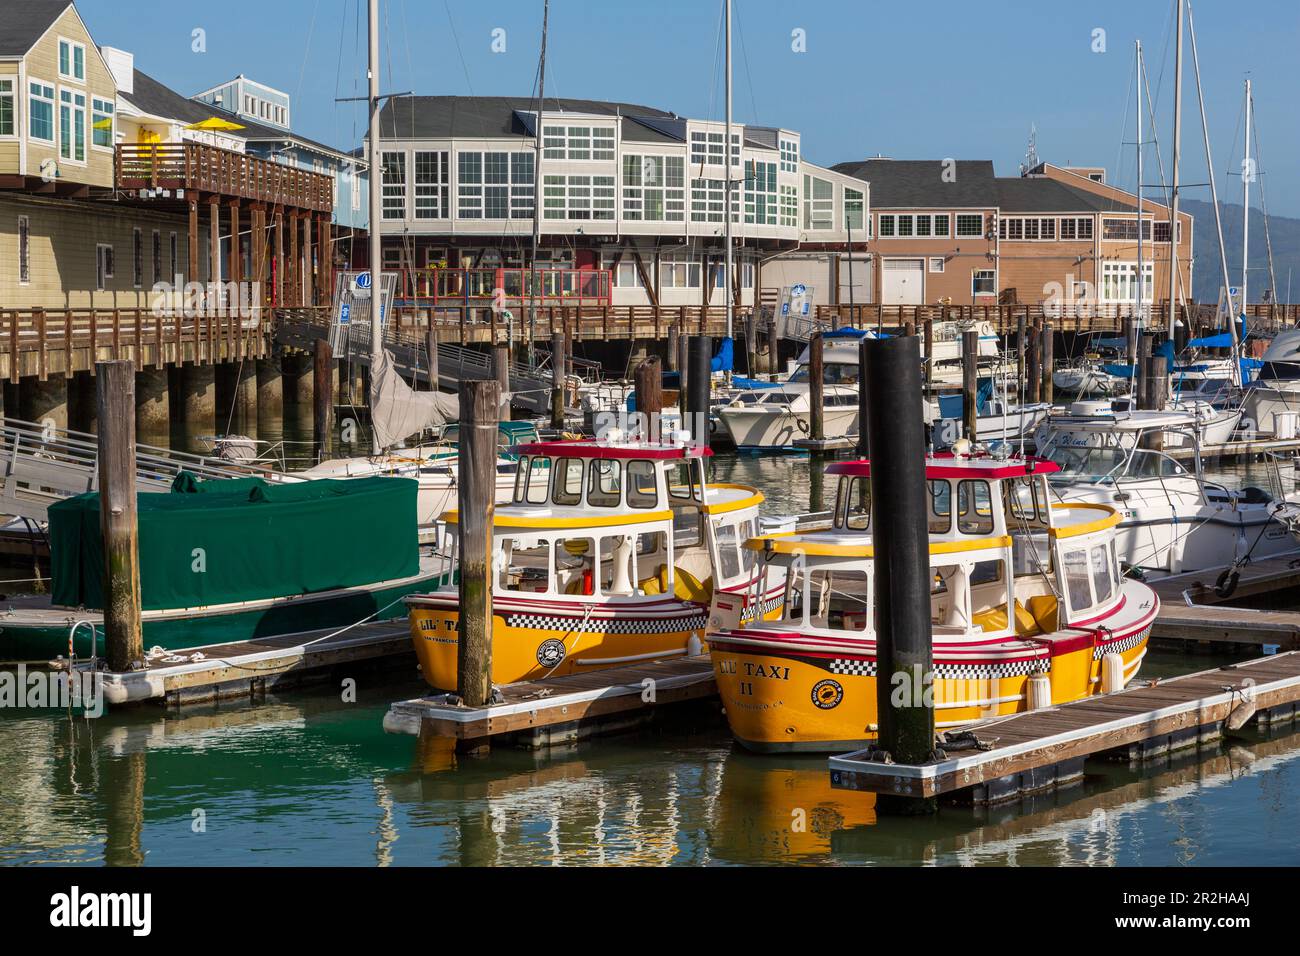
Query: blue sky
[903, 79]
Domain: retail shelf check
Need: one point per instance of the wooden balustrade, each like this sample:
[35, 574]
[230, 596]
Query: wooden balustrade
[197, 166]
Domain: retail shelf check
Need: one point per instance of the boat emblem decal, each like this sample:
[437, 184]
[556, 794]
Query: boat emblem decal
[550, 652]
[827, 694]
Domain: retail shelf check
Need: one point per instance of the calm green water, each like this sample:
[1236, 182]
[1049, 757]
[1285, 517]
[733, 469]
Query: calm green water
[309, 779]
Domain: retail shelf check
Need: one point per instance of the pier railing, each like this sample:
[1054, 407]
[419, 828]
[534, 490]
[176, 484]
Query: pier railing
[43, 342]
[197, 166]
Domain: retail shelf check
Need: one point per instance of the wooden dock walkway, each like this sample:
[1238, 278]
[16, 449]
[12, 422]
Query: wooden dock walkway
[250, 668]
[1257, 578]
[1042, 749]
[537, 714]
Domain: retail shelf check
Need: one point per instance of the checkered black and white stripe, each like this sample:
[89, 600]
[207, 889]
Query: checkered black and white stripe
[624, 625]
[1119, 647]
[857, 668]
[764, 608]
[1021, 668]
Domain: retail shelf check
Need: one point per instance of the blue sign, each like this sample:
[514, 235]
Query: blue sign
[345, 313]
[785, 308]
[363, 280]
[805, 308]
[798, 289]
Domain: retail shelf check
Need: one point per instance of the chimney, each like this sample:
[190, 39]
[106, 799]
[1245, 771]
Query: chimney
[122, 65]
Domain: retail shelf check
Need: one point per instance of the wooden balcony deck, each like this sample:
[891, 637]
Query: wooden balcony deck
[198, 167]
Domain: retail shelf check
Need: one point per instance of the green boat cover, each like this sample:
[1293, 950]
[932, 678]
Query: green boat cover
[243, 539]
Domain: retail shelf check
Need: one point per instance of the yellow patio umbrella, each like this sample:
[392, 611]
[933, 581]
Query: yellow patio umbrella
[213, 124]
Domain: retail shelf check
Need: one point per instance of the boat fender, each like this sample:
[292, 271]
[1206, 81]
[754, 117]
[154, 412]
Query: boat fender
[1038, 692]
[1245, 710]
[1112, 672]
[693, 647]
[1227, 582]
[803, 425]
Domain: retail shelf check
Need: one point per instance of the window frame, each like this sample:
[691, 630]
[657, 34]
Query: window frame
[24, 250]
[74, 111]
[105, 265]
[10, 96]
[50, 99]
[137, 259]
[74, 47]
[976, 274]
[957, 225]
[110, 111]
[393, 190]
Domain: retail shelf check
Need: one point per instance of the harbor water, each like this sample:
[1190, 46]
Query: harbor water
[310, 777]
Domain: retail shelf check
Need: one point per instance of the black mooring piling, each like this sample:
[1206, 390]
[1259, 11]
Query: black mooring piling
[900, 533]
[699, 373]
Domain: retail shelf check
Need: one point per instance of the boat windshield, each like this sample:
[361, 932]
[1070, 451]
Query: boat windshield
[1095, 463]
[833, 373]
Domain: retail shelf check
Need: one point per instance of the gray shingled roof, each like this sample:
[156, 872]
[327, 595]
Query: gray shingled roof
[158, 99]
[442, 117]
[24, 22]
[912, 183]
[1040, 194]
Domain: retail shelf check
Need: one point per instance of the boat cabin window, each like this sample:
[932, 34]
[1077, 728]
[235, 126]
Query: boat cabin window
[1026, 502]
[940, 506]
[1103, 583]
[641, 489]
[527, 565]
[532, 480]
[684, 481]
[1075, 566]
[575, 566]
[974, 507]
[830, 599]
[618, 564]
[604, 484]
[568, 482]
[728, 556]
[853, 507]
[653, 564]
[1153, 464]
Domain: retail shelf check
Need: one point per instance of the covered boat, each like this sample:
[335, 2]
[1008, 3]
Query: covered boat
[610, 552]
[1027, 605]
[230, 560]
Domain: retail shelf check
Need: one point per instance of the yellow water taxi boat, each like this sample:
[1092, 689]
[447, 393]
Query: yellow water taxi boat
[1028, 608]
[609, 553]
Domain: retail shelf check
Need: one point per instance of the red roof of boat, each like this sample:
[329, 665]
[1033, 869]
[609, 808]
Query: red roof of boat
[597, 449]
[947, 465]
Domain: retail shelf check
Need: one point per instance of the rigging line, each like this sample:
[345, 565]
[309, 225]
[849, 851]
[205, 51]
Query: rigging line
[311, 28]
[744, 54]
[1168, 199]
[459, 52]
[1263, 205]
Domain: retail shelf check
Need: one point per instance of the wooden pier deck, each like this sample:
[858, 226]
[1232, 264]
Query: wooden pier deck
[1257, 578]
[250, 668]
[1041, 749]
[539, 713]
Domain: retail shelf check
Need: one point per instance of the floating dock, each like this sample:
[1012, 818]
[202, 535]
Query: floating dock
[536, 714]
[1043, 749]
[248, 669]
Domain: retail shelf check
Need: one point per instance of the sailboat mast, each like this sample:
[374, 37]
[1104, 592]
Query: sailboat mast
[537, 187]
[1137, 84]
[376, 188]
[1173, 202]
[1246, 175]
[1214, 190]
[727, 211]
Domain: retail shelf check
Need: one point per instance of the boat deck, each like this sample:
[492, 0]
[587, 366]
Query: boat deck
[1041, 749]
[560, 709]
[250, 668]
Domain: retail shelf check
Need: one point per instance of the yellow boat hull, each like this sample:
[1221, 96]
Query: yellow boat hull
[783, 700]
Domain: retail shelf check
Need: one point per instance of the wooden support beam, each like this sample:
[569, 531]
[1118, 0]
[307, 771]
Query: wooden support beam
[476, 499]
[115, 406]
[193, 242]
[323, 398]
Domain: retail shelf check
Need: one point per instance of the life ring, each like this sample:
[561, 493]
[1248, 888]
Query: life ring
[803, 425]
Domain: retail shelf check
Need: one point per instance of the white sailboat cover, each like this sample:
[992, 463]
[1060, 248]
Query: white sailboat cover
[398, 411]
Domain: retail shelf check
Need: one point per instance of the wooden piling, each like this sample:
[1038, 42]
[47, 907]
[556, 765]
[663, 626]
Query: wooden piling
[559, 371]
[501, 369]
[649, 396]
[929, 354]
[431, 347]
[1140, 369]
[970, 366]
[476, 500]
[904, 648]
[1046, 390]
[322, 398]
[1033, 365]
[673, 364]
[816, 388]
[1022, 353]
[115, 403]
[773, 350]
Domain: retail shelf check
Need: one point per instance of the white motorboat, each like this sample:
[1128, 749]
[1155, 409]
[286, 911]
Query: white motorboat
[1276, 388]
[1173, 519]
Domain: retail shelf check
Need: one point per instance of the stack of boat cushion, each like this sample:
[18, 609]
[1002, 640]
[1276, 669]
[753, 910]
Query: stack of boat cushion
[1044, 609]
[995, 619]
[686, 586]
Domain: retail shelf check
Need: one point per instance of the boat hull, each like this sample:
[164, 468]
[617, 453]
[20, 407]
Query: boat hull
[783, 696]
[43, 637]
[754, 428]
[533, 639]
